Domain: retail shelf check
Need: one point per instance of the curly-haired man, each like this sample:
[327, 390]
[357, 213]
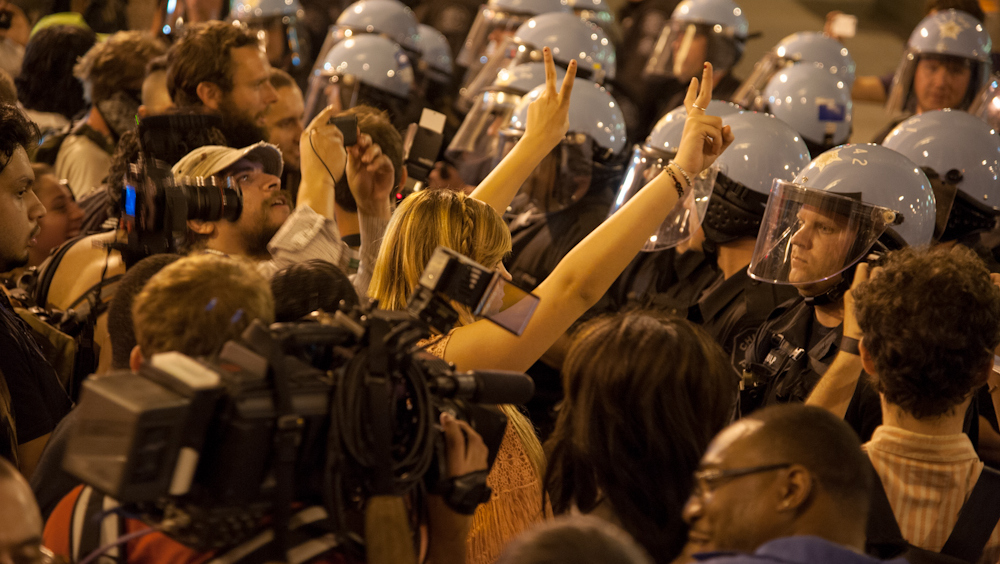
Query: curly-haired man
[930, 321]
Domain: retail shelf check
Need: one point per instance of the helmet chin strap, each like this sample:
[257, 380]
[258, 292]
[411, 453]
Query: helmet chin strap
[834, 293]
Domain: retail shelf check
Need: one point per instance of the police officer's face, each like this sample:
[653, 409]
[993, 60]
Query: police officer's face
[690, 54]
[941, 82]
[819, 245]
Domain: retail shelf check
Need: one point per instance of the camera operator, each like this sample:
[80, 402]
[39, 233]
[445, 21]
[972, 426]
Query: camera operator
[194, 306]
[219, 68]
[37, 400]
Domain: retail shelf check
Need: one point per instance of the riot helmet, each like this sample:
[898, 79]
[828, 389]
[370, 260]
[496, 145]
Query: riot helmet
[801, 47]
[649, 159]
[568, 36]
[389, 18]
[814, 102]
[699, 31]
[365, 69]
[598, 12]
[835, 210]
[279, 27]
[476, 145]
[591, 149]
[946, 62]
[961, 156]
[497, 21]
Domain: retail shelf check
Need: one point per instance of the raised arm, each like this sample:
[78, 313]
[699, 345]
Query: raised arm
[835, 389]
[323, 161]
[548, 122]
[588, 270]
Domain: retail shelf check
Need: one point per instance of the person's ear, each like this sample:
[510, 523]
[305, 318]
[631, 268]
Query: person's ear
[796, 489]
[210, 94]
[201, 227]
[135, 359]
[867, 362]
[402, 179]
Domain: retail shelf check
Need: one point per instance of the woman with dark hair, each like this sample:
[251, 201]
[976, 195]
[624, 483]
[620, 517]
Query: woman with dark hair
[46, 88]
[645, 394]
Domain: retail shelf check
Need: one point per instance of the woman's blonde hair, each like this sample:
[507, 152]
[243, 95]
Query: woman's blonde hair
[424, 221]
[433, 218]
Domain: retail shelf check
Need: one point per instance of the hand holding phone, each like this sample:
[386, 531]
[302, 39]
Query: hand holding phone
[348, 125]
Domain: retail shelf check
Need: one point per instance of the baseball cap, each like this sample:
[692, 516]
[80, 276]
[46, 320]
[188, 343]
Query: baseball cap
[213, 159]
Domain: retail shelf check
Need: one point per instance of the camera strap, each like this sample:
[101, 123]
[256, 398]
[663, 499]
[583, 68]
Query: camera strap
[377, 384]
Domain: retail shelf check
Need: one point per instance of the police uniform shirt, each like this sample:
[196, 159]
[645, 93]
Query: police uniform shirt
[540, 241]
[732, 310]
[37, 398]
[790, 353]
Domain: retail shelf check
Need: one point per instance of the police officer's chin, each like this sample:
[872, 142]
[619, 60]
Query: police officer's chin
[813, 289]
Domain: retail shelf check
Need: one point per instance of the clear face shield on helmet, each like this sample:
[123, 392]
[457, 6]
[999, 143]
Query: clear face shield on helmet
[476, 145]
[344, 91]
[986, 106]
[491, 28]
[508, 55]
[931, 81]
[284, 38]
[686, 217]
[808, 236]
[684, 47]
[561, 179]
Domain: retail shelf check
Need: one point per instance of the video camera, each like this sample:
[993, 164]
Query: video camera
[155, 207]
[331, 410]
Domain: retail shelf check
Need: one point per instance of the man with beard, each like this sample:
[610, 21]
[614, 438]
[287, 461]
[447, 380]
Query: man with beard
[32, 400]
[112, 73]
[221, 69]
[284, 127]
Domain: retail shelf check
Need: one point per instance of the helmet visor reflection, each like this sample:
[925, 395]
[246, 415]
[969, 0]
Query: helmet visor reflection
[686, 217]
[476, 145]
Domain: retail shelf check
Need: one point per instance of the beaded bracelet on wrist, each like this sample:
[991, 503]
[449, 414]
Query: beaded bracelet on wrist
[683, 172]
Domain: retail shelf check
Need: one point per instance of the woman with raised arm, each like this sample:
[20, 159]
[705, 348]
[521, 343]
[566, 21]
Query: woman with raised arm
[472, 226]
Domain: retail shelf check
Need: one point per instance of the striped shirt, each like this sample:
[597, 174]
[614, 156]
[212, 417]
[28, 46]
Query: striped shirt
[927, 478]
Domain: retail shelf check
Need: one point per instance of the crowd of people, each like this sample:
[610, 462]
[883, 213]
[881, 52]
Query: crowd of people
[274, 272]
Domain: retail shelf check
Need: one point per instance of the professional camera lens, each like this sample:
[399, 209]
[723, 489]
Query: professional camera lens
[210, 200]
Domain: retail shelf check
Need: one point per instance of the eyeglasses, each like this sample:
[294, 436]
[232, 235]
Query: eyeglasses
[707, 480]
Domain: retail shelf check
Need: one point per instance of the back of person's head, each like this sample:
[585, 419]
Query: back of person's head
[8, 92]
[578, 539]
[306, 287]
[645, 394]
[197, 303]
[424, 221]
[120, 328]
[826, 446]
[203, 54]
[971, 7]
[378, 125]
[281, 79]
[46, 82]
[16, 132]
[117, 64]
[930, 320]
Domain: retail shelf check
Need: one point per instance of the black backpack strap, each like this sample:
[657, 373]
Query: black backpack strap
[884, 539]
[45, 276]
[977, 519]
